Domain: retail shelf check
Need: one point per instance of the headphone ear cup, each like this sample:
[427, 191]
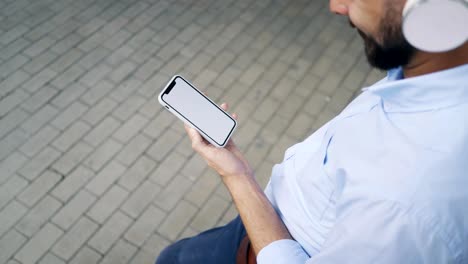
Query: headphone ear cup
[436, 25]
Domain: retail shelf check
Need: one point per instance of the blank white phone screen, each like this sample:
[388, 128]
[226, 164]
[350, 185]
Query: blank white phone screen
[199, 111]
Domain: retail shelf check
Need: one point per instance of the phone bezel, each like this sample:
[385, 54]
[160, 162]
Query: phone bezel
[169, 87]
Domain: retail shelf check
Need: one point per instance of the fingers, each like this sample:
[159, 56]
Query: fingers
[195, 137]
[225, 107]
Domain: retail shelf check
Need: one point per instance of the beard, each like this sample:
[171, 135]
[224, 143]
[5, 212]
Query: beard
[392, 50]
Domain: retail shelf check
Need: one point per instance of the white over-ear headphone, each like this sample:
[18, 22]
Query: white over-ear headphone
[436, 25]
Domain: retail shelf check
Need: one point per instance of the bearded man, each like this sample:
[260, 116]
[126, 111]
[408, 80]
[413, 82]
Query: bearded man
[385, 181]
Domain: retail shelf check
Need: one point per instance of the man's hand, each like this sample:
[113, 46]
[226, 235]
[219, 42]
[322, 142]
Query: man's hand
[227, 161]
[258, 216]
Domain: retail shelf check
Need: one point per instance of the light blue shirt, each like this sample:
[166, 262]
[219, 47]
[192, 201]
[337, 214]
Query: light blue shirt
[386, 181]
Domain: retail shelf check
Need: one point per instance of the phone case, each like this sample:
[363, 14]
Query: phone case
[214, 143]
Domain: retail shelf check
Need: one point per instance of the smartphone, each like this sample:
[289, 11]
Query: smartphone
[191, 106]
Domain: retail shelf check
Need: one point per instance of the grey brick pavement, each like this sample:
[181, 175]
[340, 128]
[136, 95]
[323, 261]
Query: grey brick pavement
[92, 170]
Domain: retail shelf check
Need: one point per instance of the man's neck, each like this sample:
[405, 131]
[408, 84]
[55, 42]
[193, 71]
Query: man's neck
[424, 62]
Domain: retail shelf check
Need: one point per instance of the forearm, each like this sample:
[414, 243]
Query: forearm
[260, 219]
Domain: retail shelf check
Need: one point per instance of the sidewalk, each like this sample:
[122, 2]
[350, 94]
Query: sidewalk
[93, 170]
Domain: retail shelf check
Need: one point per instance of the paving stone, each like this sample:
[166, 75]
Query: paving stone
[172, 193]
[117, 39]
[198, 63]
[73, 209]
[11, 142]
[9, 189]
[69, 95]
[193, 167]
[40, 140]
[69, 115]
[203, 188]
[150, 87]
[72, 158]
[39, 80]
[90, 27]
[70, 136]
[130, 128]
[151, 108]
[10, 215]
[102, 131]
[161, 148]
[38, 119]
[144, 256]
[39, 163]
[72, 183]
[168, 169]
[107, 204]
[95, 93]
[251, 74]
[102, 154]
[39, 244]
[10, 243]
[66, 60]
[95, 75]
[14, 48]
[40, 31]
[39, 46]
[226, 78]
[130, 103]
[11, 101]
[38, 216]
[140, 199]
[156, 244]
[140, 231]
[143, 35]
[13, 34]
[40, 187]
[134, 148]
[275, 72]
[209, 214]
[265, 110]
[99, 111]
[65, 28]
[110, 232]
[121, 253]
[148, 69]
[51, 259]
[66, 44]
[166, 34]
[11, 164]
[71, 242]
[93, 57]
[315, 104]
[68, 77]
[104, 179]
[124, 52]
[205, 78]
[86, 255]
[40, 62]
[137, 173]
[177, 220]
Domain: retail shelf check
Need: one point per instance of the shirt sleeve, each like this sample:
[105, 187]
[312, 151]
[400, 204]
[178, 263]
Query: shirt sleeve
[285, 251]
[380, 232]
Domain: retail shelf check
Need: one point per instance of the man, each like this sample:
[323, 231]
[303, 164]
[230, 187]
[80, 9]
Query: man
[383, 182]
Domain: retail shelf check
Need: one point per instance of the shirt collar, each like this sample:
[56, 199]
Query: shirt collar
[422, 93]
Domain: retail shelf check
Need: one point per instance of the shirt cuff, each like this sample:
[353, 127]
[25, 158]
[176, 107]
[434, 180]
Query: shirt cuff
[285, 251]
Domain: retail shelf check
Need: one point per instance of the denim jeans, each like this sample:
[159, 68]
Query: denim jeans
[215, 246]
